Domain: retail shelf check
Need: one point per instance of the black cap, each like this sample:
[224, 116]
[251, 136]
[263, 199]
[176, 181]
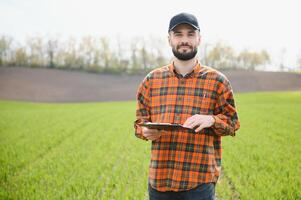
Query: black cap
[183, 18]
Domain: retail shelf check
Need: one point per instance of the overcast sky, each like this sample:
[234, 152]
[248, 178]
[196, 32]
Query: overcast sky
[253, 24]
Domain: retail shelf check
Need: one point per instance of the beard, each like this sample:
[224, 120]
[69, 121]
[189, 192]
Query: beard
[184, 55]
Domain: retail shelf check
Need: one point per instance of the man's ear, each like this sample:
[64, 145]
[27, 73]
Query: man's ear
[169, 40]
[200, 39]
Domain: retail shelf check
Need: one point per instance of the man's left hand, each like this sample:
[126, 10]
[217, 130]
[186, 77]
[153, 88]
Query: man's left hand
[199, 121]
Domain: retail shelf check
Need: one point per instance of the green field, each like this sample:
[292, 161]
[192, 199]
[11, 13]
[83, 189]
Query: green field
[89, 151]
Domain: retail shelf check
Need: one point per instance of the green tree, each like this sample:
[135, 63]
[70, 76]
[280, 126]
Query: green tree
[86, 51]
[36, 52]
[134, 61]
[221, 56]
[70, 55]
[52, 46]
[20, 57]
[250, 60]
[105, 54]
[5, 48]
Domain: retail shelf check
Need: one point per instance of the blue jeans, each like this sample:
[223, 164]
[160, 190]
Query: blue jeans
[205, 191]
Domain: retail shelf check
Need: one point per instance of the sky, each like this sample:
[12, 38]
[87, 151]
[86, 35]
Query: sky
[243, 24]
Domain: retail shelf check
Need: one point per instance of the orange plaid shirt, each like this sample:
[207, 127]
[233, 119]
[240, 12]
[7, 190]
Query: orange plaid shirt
[183, 159]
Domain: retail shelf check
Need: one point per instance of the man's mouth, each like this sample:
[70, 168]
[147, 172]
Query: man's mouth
[185, 46]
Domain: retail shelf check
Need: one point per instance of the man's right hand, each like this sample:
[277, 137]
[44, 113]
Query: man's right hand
[151, 134]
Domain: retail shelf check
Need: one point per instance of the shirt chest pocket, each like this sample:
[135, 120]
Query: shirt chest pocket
[203, 101]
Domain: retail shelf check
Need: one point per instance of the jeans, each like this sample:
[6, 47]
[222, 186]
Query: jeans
[205, 191]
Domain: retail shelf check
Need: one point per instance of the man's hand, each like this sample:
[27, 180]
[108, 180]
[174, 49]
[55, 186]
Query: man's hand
[151, 134]
[199, 121]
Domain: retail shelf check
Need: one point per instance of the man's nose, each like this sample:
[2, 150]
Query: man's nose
[184, 39]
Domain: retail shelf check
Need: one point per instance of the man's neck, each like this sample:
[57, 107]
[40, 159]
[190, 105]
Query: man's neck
[184, 67]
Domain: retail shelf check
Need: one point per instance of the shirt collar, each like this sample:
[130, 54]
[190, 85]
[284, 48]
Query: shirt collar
[193, 73]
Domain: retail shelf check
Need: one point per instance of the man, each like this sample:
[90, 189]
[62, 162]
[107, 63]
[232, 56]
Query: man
[185, 162]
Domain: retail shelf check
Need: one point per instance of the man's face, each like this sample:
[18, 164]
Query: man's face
[184, 41]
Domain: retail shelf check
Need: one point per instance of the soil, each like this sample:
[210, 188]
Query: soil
[54, 85]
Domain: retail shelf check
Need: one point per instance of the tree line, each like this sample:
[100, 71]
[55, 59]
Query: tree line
[102, 54]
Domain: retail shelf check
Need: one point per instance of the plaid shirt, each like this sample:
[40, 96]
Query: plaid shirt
[183, 159]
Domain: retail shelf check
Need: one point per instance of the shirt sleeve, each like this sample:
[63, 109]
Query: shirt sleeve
[142, 107]
[225, 114]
